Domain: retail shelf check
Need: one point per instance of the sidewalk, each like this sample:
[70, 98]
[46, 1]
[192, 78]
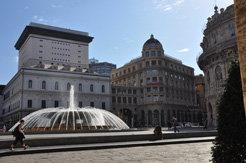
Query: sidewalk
[79, 147]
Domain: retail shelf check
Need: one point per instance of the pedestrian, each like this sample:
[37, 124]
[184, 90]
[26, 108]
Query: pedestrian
[19, 136]
[175, 123]
[157, 132]
[205, 124]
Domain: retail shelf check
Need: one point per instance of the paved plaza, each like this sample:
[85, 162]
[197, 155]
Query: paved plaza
[174, 153]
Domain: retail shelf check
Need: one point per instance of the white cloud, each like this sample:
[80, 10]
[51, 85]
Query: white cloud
[167, 5]
[16, 59]
[183, 50]
[56, 6]
[127, 40]
[41, 20]
[178, 2]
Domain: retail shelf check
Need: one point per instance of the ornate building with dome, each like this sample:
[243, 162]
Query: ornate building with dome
[150, 89]
[219, 48]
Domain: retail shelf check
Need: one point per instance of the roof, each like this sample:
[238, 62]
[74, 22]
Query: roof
[51, 31]
[152, 40]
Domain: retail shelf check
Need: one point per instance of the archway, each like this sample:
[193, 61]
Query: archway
[150, 117]
[156, 118]
[142, 121]
[162, 118]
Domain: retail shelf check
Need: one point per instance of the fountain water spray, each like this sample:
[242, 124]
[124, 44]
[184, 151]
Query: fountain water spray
[72, 118]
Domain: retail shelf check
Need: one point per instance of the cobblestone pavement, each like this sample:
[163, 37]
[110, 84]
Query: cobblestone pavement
[175, 153]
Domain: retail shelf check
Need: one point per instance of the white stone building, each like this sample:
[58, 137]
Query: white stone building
[52, 59]
[219, 48]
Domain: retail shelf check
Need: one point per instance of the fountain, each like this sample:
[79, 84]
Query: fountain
[72, 118]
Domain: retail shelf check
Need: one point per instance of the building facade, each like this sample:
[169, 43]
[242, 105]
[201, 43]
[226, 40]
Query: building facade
[103, 68]
[51, 60]
[200, 96]
[149, 90]
[219, 48]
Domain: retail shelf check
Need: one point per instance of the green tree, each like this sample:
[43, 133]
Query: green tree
[230, 142]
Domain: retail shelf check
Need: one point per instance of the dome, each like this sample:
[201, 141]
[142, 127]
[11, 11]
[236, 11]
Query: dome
[152, 43]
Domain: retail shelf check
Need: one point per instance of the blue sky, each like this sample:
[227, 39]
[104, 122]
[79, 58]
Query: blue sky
[119, 27]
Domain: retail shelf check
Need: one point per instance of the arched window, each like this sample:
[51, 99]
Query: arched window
[91, 88]
[103, 88]
[68, 86]
[30, 84]
[80, 87]
[218, 73]
[43, 84]
[56, 86]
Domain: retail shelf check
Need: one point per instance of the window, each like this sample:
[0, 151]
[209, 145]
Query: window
[154, 80]
[146, 54]
[154, 72]
[129, 91]
[149, 89]
[159, 63]
[68, 86]
[154, 89]
[56, 104]
[161, 89]
[80, 104]
[29, 103]
[92, 104]
[159, 53]
[148, 72]
[103, 88]
[119, 100]
[80, 87]
[43, 84]
[148, 80]
[30, 84]
[134, 91]
[103, 105]
[233, 32]
[43, 104]
[153, 63]
[56, 86]
[147, 63]
[141, 74]
[129, 100]
[152, 53]
[160, 80]
[124, 100]
[91, 87]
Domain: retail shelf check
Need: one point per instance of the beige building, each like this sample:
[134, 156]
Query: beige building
[219, 47]
[149, 90]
